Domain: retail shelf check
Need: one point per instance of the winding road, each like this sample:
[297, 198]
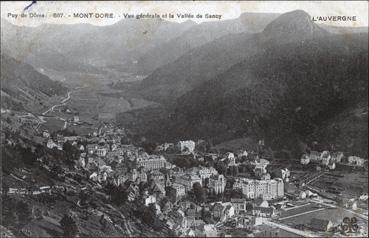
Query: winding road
[62, 103]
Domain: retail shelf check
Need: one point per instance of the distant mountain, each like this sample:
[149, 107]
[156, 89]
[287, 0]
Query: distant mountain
[84, 47]
[292, 26]
[287, 94]
[22, 87]
[344, 30]
[205, 62]
[201, 34]
[288, 84]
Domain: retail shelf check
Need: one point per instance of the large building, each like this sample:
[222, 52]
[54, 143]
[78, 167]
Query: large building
[206, 173]
[175, 192]
[266, 189]
[151, 163]
[217, 183]
[188, 180]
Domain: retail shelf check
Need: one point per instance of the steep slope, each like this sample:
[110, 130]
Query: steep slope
[84, 47]
[22, 85]
[286, 94]
[298, 87]
[203, 63]
[201, 34]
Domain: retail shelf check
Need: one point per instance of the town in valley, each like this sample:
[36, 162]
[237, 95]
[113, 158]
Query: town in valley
[220, 121]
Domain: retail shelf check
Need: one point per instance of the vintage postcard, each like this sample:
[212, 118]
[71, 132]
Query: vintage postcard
[184, 119]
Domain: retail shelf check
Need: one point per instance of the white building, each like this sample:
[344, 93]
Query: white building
[180, 189]
[305, 159]
[101, 152]
[151, 163]
[149, 200]
[186, 147]
[207, 172]
[325, 157]
[188, 180]
[217, 183]
[266, 189]
[356, 161]
[51, 144]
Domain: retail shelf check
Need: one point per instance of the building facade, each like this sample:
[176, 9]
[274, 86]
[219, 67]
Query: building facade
[151, 163]
[266, 189]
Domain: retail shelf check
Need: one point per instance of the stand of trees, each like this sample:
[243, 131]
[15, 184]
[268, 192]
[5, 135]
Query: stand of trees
[69, 226]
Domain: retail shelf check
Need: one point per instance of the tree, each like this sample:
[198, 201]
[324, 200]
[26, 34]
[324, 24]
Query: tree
[149, 217]
[72, 152]
[221, 167]
[199, 192]
[69, 226]
[119, 195]
[27, 156]
[249, 207]
[23, 213]
[207, 217]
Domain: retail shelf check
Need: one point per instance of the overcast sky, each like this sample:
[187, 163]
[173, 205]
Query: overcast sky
[228, 10]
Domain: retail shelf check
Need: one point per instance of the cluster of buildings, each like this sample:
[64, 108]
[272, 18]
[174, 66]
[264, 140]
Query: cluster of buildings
[330, 159]
[106, 159]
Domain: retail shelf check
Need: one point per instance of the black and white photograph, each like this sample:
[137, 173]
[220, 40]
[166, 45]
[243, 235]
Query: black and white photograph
[184, 119]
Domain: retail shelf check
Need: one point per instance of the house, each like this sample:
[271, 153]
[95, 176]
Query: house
[267, 231]
[51, 144]
[157, 190]
[81, 148]
[178, 218]
[91, 148]
[217, 183]
[205, 173]
[101, 151]
[325, 157]
[263, 211]
[133, 192]
[189, 233]
[175, 192]
[305, 159]
[167, 207]
[197, 224]
[206, 230]
[356, 161]
[165, 147]
[337, 157]
[285, 174]
[228, 212]
[157, 176]
[302, 195]
[186, 147]
[239, 205]
[188, 180]
[248, 222]
[320, 225]
[232, 159]
[332, 165]
[313, 156]
[217, 211]
[46, 134]
[242, 154]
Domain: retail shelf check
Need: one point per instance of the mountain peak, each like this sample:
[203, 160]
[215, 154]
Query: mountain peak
[295, 25]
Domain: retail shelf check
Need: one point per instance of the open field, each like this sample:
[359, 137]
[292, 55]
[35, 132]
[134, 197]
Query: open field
[306, 207]
[335, 215]
[351, 185]
[52, 124]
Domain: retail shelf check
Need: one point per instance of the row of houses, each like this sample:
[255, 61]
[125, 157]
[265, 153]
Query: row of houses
[330, 159]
